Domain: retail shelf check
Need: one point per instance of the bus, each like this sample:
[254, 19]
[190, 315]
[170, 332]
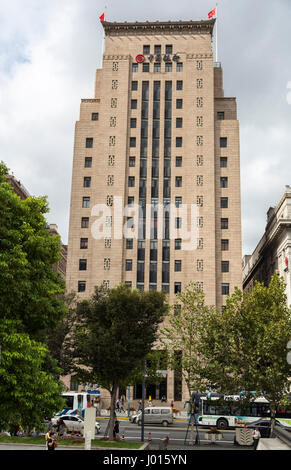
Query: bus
[77, 402]
[224, 411]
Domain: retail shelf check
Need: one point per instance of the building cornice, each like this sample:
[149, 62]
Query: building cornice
[159, 27]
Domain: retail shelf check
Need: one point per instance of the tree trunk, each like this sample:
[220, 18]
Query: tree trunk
[273, 418]
[113, 393]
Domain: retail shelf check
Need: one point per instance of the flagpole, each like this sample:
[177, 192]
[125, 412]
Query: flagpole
[216, 32]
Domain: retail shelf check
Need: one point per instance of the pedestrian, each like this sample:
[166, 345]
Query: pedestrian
[51, 442]
[116, 429]
[139, 405]
[172, 404]
[122, 404]
[117, 404]
[164, 399]
[256, 435]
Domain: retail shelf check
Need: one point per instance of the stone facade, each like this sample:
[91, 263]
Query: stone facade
[158, 130]
[273, 252]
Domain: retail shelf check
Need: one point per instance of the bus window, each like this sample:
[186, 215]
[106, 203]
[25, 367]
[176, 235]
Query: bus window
[80, 402]
[69, 401]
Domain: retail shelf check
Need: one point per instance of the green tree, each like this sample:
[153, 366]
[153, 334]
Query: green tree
[115, 329]
[181, 337]
[29, 288]
[28, 393]
[245, 344]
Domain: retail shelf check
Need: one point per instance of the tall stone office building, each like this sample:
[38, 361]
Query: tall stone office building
[158, 136]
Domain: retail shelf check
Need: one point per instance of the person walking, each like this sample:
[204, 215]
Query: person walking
[256, 435]
[51, 442]
[117, 404]
[116, 429]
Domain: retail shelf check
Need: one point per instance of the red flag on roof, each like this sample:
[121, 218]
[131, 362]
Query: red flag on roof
[211, 13]
[102, 17]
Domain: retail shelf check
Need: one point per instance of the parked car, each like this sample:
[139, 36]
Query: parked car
[74, 423]
[263, 425]
[154, 415]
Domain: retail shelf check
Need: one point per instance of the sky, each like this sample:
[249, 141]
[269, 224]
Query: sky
[50, 49]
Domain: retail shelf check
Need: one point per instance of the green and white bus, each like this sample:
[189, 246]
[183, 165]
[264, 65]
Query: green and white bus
[231, 411]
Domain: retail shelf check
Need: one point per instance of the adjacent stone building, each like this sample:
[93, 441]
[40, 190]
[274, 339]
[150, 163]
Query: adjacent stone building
[159, 138]
[273, 252]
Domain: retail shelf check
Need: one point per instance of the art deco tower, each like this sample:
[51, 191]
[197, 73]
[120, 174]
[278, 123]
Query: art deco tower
[160, 138]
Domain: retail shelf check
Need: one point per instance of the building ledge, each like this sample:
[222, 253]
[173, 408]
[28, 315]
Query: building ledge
[190, 27]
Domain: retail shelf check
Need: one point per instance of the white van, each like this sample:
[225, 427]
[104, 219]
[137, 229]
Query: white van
[154, 415]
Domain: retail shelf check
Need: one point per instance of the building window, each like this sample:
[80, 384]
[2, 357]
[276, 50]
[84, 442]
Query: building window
[200, 243]
[169, 49]
[109, 201]
[224, 245]
[84, 244]
[110, 180]
[82, 265]
[224, 224]
[223, 162]
[133, 123]
[199, 65]
[200, 102]
[199, 83]
[157, 67]
[223, 142]
[179, 67]
[133, 104]
[199, 180]
[107, 242]
[199, 121]
[178, 202]
[112, 121]
[178, 182]
[131, 181]
[220, 115]
[179, 104]
[86, 203]
[200, 201]
[200, 160]
[146, 49]
[157, 49]
[129, 243]
[130, 201]
[179, 142]
[168, 67]
[179, 85]
[200, 285]
[146, 67]
[113, 103]
[200, 265]
[224, 203]
[82, 286]
[134, 85]
[135, 68]
[178, 266]
[200, 222]
[178, 243]
[179, 123]
[89, 143]
[128, 265]
[199, 140]
[114, 84]
[111, 160]
[87, 182]
[85, 222]
[106, 284]
[112, 141]
[177, 287]
[224, 182]
[107, 264]
[108, 221]
[128, 284]
[225, 289]
[132, 162]
[115, 66]
[178, 222]
[225, 266]
[132, 142]
[179, 162]
[95, 116]
[88, 162]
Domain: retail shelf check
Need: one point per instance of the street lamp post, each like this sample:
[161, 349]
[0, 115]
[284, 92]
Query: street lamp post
[143, 399]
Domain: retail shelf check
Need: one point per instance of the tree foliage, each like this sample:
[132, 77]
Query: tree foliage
[29, 287]
[245, 344]
[115, 329]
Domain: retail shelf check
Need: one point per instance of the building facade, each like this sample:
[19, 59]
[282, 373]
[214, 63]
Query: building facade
[155, 199]
[273, 252]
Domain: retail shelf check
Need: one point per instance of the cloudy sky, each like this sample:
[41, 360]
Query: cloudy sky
[49, 50]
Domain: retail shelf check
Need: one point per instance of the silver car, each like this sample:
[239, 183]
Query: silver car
[154, 415]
